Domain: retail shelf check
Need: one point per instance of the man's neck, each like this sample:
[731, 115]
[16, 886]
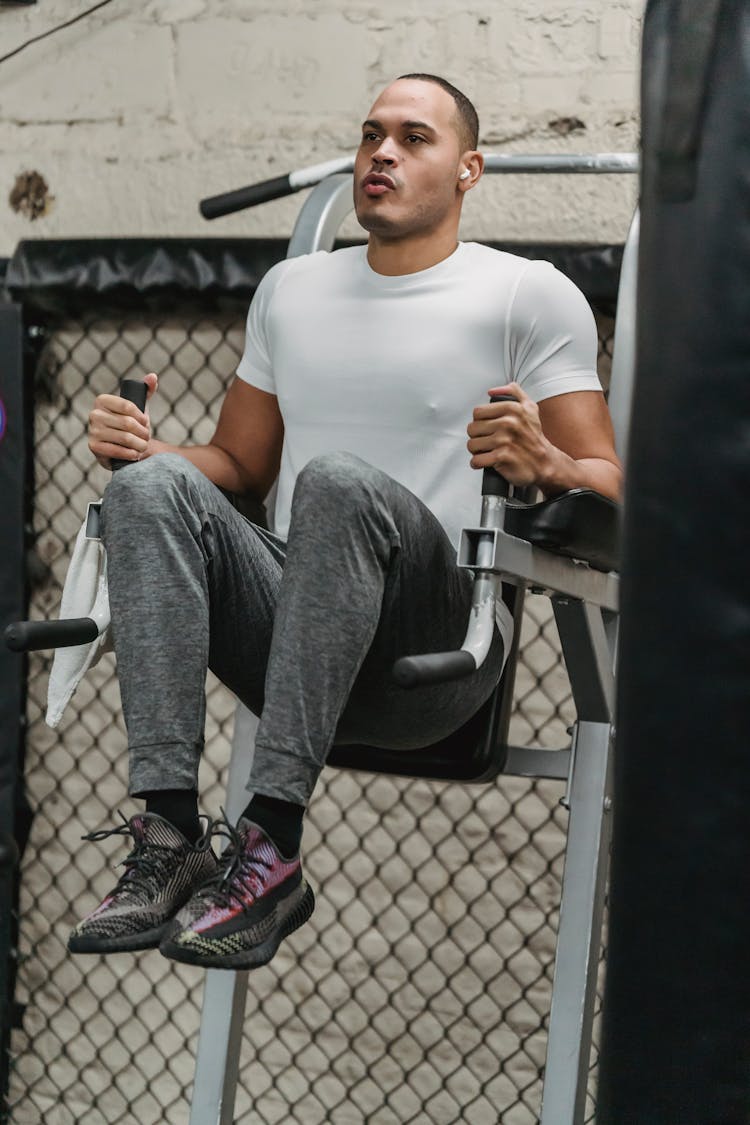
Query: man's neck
[396, 257]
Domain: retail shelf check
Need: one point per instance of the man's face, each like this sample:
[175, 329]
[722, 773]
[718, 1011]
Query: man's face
[408, 162]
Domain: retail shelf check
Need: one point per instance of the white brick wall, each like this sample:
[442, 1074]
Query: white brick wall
[131, 116]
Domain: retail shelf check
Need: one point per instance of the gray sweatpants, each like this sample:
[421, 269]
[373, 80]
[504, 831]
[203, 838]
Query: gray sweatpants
[304, 633]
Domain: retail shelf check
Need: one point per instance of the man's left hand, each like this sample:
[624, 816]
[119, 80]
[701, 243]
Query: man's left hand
[508, 436]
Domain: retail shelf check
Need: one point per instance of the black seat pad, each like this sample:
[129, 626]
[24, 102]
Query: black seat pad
[580, 524]
[469, 754]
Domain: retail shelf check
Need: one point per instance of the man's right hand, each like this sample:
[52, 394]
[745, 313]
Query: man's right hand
[118, 429]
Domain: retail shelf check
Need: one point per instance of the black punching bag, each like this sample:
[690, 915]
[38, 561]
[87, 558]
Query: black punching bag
[676, 1034]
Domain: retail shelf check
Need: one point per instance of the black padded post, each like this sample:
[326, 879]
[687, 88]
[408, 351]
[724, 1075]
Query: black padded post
[493, 482]
[676, 1044]
[13, 468]
[28, 636]
[230, 201]
[134, 390]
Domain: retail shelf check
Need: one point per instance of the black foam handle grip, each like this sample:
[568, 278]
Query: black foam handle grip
[217, 205]
[28, 636]
[493, 482]
[134, 390]
[433, 668]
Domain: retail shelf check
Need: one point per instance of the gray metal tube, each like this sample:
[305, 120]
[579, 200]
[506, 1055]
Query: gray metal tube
[554, 162]
[623, 352]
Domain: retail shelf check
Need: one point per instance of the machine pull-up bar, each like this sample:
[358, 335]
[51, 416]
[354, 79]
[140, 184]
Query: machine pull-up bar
[583, 163]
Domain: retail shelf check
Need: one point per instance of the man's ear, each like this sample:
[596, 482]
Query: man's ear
[473, 163]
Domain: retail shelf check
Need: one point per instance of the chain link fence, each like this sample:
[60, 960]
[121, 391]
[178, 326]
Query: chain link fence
[420, 990]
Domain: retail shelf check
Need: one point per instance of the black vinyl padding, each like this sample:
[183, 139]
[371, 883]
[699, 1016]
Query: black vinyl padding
[68, 277]
[468, 754]
[580, 524]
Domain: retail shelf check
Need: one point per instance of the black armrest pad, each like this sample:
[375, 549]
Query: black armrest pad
[580, 524]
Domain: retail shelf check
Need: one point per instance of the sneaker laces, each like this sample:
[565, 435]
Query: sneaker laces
[144, 859]
[239, 872]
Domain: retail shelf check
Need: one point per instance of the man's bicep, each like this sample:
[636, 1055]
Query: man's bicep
[579, 424]
[251, 430]
[552, 333]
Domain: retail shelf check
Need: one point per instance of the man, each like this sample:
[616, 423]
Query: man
[358, 380]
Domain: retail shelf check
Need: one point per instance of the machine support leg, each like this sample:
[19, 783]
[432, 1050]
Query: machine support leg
[579, 937]
[225, 992]
[217, 1065]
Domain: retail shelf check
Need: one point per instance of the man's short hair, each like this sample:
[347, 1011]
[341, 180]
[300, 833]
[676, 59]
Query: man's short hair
[468, 121]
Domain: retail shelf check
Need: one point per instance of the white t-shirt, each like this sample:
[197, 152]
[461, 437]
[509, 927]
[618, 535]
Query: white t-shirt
[390, 368]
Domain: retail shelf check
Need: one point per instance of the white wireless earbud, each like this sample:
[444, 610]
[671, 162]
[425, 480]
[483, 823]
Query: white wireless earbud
[465, 174]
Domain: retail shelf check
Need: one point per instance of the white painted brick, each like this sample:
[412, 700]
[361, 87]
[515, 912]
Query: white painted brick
[616, 35]
[176, 99]
[613, 89]
[99, 200]
[552, 94]
[409, 46]
[174, 11]
[558, 41]
[555, 208]
[111, 72]
[251, 74]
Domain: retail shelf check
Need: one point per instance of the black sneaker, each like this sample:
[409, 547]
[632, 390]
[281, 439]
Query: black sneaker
[238, 919]
[161, 873]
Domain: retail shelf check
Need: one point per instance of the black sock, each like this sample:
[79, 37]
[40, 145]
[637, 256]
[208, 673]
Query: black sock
[179, 807]
[280, 820]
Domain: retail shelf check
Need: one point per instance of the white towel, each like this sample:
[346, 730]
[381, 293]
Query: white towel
[85, 594]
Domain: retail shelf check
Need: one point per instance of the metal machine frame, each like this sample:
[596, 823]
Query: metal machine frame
[585, 609]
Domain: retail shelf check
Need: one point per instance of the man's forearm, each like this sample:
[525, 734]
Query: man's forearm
[215, 463]
[565, 473]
